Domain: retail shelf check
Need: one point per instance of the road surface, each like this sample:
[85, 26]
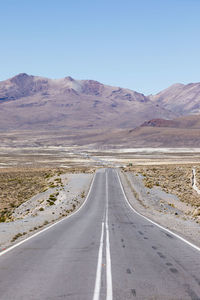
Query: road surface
[104, 251]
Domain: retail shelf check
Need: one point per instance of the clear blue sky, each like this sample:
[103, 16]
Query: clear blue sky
[145, 45]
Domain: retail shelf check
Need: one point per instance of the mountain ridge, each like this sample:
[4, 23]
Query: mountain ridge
[30, 102]
[89, 112]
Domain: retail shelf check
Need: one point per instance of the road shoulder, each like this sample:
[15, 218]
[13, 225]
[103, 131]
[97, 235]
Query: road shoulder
[29, 218]
[180, 224]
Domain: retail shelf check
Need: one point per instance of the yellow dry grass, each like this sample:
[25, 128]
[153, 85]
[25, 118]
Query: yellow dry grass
[17, 185]
[174, 179]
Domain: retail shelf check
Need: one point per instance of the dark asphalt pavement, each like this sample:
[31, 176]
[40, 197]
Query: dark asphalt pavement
[104, 251]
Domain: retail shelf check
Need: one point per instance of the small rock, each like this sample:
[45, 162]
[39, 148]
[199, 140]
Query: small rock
[196, 212]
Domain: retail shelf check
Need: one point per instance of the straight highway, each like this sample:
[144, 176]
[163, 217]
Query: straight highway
[103, 251]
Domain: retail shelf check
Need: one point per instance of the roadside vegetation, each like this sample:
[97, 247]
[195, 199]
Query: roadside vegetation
[173, 179]
[19, 185]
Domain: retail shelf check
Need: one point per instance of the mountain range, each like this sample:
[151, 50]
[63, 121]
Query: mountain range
[102, 113]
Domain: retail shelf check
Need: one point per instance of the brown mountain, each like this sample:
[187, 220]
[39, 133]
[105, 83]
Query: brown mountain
[179, 98]
[37, 103]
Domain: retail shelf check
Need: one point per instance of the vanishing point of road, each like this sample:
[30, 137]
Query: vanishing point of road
[104, 251]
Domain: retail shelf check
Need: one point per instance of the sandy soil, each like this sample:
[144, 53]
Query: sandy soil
[161, 207]
[45, 208]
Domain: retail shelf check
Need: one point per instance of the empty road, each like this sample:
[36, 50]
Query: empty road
[104, 251]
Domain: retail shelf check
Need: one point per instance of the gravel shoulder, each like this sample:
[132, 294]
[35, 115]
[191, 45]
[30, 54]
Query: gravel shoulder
[164, 208]
[45, 208]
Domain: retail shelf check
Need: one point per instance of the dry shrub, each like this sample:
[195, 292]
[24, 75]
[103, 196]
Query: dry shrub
[17, 185]
[175, 179]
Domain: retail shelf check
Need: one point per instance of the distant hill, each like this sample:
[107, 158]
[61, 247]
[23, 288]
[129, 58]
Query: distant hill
[186, 122]
[179, 98]
[159, 123]
[32, 102]
[180, 132]
[86, 112]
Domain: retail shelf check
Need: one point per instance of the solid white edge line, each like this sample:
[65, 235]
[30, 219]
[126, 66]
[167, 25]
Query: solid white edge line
[165, 229]
[99, 267]
[45, 229]
[109, 292]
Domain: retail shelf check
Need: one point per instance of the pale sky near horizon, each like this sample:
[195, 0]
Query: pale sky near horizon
[144, 45]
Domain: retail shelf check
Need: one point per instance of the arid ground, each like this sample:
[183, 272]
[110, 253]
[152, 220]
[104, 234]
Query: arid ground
[34, 181]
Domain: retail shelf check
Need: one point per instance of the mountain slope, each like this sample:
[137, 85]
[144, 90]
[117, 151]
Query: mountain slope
[32, 102]
[180, 98]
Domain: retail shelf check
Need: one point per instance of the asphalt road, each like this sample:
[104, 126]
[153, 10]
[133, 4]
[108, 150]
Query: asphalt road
[104, 251]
